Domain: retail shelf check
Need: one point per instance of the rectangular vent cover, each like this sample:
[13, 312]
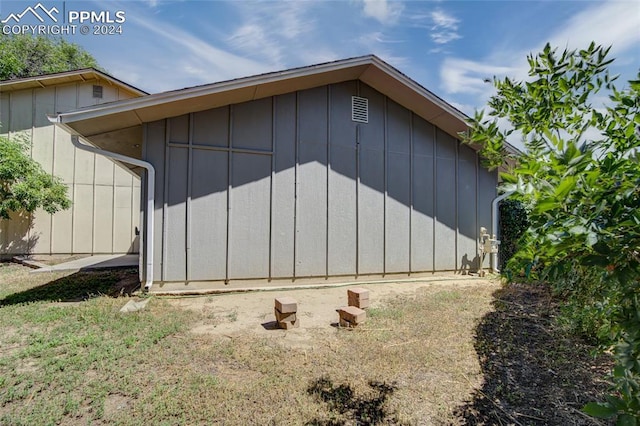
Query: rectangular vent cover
[97, 92]
[359, 109]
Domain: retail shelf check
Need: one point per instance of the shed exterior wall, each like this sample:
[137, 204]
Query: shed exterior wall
[105, 195]
[290, 187]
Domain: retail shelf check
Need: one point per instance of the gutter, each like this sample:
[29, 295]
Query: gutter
[494, 227]
[147, 253]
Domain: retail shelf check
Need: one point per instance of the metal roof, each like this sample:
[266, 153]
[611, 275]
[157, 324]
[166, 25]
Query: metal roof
[117, 126]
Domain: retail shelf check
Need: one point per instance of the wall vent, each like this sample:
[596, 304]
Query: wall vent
[359, 109]
[97, 92]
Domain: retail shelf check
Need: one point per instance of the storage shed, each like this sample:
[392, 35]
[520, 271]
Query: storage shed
[105, 194]
[345, 169]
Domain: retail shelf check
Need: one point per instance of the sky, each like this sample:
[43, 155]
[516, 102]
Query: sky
[449, 47]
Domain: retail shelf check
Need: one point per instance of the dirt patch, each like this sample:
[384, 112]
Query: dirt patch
[534, 373]
[241, 313]
[114, 405]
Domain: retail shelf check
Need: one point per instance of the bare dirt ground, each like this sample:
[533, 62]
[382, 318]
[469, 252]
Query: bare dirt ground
[251, 313]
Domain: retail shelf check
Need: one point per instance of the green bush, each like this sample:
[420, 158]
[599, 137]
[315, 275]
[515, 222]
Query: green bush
[584, 196]
[514, 221]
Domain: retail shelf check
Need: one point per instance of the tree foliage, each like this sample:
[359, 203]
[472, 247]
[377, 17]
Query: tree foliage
[580, 175]
[24, 185]
[26, 56]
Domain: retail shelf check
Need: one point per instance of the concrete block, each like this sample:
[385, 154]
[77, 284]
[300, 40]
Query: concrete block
[352, 314]
[286, 305]
[288, 325]
[282, 317]
[358, 297]
[346, 324]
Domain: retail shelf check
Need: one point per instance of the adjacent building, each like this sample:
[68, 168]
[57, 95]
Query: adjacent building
[106, 195]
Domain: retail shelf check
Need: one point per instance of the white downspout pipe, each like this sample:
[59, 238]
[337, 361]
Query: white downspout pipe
[494, 227]
[148, 228]
[151, 178]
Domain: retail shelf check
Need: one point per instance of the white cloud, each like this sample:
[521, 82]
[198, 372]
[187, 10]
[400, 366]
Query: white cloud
[444, 20]
[384, 11]
[445, 27]
[196, 57]
[609, 23]
[274, 32]
[464, 76]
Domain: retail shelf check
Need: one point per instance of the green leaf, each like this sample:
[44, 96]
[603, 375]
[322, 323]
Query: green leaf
[600, 411]
[627, 420]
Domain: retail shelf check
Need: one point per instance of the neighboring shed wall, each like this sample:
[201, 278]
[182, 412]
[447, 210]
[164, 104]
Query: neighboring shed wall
[290, 186]
[105, 195]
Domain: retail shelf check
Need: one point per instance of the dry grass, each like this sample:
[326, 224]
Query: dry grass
[413, 362]
[67, 356]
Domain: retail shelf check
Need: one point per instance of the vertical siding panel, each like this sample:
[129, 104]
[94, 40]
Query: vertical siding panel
[85, 95]
[423, 203]
[63, 167]
[467, 250]
[21, 116]
[397, 225]
[21, 128]
[154, 149]
[372, 186]
[122, 242]
[103, 219]
[445, 226]
[252, 125]
[312, 184]
[84, 167]
[136, 212]
[283, 203]
[211, 127]
[249, 230]
[109, 92]
[175, 257]
[83, 219]
[342, 233]
[208, 215]
[42, 150]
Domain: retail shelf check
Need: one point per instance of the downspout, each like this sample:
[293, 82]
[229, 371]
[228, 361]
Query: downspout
[148, 226]
[148, 229]
[494, 227]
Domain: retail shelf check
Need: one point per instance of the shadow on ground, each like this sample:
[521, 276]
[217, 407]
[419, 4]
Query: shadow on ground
[534, 374]
[79, 286]
[347, 407]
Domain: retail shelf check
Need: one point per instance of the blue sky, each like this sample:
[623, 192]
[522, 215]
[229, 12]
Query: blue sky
[450, 47]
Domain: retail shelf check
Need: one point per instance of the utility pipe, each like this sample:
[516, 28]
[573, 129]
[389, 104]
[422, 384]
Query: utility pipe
[494, 227]
[151, 173]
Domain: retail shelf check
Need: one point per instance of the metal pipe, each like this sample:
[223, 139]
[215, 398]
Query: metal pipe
[151, 173]
[148, 235]
[494, 227]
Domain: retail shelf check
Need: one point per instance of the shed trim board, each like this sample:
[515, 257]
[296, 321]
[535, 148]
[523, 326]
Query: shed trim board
[290, 187]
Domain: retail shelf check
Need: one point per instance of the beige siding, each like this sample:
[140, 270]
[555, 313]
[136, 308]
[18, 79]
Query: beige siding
[105, 195]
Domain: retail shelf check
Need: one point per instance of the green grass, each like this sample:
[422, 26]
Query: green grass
[83, 362]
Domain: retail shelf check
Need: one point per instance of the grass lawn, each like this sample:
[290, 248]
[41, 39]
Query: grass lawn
[67, 356]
